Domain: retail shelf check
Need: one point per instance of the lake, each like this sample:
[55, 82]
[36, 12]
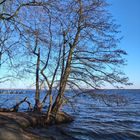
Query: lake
[94, 120]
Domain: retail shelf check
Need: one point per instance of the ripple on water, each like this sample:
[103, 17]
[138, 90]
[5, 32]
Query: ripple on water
[94, 120]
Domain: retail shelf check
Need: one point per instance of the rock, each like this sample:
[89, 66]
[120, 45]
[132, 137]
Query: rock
[63, 117]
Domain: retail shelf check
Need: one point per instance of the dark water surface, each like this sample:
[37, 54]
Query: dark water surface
[93, 119]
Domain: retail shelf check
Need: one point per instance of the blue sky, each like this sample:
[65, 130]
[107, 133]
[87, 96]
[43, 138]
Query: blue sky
[127, 14]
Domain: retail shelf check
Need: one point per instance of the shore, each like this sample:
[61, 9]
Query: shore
[13, 126]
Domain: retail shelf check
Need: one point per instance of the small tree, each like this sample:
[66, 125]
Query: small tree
[11, 18]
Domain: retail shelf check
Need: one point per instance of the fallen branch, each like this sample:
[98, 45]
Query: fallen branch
[15, 108]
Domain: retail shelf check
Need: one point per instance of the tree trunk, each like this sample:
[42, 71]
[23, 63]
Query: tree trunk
[49, 109]
[59, 101]
[37, 106]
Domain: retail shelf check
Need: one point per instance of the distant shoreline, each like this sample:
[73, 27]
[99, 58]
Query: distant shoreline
[68, 89]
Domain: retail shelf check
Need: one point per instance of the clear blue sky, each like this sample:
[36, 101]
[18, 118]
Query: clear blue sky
[127, 14]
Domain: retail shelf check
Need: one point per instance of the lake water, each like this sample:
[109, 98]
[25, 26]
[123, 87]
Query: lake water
[94, 120]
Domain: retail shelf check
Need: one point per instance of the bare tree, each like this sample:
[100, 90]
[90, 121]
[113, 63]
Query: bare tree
[90, 55]
[75, 44]
[82, 49]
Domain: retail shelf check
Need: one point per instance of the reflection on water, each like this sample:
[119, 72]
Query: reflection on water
[94, 120]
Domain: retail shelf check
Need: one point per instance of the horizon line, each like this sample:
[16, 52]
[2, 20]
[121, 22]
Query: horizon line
[66, 89]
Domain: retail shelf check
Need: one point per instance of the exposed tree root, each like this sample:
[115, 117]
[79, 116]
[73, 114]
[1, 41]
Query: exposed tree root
[38, 118]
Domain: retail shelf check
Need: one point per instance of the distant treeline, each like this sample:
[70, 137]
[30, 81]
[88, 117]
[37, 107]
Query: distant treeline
[6, 91]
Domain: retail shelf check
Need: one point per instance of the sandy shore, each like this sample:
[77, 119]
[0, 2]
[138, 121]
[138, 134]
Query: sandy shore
[13, 127]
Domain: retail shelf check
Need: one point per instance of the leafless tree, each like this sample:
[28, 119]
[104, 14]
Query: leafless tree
[89, 39]
[72, 45]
